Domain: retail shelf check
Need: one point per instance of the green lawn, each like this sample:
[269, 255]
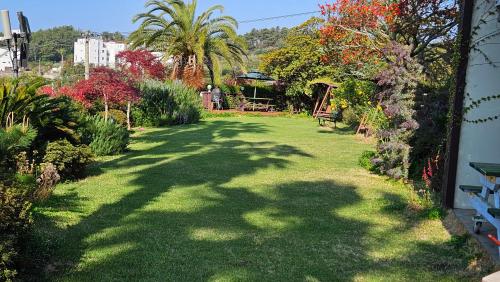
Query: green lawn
[241, 199]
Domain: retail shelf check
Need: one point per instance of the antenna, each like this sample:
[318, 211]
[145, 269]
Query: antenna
[24, 26]
[7, 31]
[17, 42]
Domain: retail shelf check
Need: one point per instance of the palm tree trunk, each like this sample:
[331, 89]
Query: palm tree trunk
[210, 67]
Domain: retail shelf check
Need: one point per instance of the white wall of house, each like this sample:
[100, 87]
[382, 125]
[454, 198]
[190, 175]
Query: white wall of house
[480, 142]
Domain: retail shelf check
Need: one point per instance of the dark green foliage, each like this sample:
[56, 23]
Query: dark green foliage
[167, 103]
[232, 96]
[50, 44]
[365, 160]
[69, 160]
[12, 141]
[105, 137]
[54, 118]
[15, 220]
[264, 40]
[299, 62]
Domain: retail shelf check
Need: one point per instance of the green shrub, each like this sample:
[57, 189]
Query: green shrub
[356, 92]
[105, 138]
[232, 101]
[187, 107]
[165, 103]
[69, 160]
[53, 117]
[350, 117]
[117, 115]
[12, 141]
[15, 221]
[365, 160]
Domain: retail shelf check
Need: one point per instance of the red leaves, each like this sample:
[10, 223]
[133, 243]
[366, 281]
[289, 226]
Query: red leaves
[105, 84]
[140, 64]
[47, 90]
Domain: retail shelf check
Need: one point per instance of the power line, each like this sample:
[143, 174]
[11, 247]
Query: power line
[259, 19]
[278, 17]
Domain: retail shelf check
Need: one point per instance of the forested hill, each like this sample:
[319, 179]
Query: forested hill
[50, 44]
[264, 40]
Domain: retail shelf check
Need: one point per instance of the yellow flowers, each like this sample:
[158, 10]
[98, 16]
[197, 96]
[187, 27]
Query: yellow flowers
[344, 104]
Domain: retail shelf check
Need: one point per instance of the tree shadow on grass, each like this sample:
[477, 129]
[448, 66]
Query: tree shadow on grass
[187, 221]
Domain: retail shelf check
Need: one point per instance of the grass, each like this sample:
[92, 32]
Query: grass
[240, 199]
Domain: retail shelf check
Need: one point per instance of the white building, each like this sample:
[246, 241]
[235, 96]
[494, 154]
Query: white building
[101, 54]
[5, 60]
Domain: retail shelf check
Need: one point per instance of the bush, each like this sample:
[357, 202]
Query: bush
[365, 160]
[167, 103]
[15, 220]
[350, 117]
[105, 138]
[117, 115]
[69, 160]
[232, 101]
[356, 92]
[12, 142]
[187, 107]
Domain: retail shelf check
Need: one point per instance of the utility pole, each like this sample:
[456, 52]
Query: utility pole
[87, 54]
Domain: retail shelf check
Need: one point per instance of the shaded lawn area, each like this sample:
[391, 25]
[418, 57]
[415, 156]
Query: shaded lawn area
[238, 199]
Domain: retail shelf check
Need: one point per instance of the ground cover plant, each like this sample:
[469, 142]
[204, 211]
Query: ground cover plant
[246, 199]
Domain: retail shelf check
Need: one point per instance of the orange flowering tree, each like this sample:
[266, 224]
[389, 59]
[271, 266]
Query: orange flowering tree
[356, 31]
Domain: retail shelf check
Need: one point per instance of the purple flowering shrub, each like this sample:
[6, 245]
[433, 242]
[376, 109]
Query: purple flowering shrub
[398, 82]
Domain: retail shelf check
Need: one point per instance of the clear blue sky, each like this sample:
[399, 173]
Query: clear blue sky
[116, 15]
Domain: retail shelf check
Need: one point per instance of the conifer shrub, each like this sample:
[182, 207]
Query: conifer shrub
[105, 138]
[69, 160]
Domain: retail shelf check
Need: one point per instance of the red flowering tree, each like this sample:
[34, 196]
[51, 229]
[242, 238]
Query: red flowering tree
[106, 85]
[138, 65]
[355, 31]
[141, 64]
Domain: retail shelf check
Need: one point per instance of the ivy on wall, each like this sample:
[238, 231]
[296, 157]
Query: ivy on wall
[489, 13]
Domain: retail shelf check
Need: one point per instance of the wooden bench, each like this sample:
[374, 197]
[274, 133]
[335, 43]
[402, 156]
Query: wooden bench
[328, 115]
[255, 106]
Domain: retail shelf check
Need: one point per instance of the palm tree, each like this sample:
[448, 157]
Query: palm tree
[172, 27]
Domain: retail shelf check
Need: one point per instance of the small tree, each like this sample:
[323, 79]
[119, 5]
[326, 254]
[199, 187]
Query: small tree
[139, 65]
[107, 85]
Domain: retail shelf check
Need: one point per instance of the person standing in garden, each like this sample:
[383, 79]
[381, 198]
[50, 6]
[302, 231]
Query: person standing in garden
[217, 97]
